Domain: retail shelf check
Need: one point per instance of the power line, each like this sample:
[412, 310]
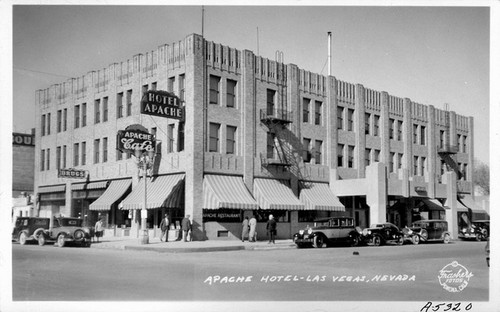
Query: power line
[41, 72]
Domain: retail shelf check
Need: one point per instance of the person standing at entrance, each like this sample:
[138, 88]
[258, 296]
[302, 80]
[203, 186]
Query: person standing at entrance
[99, 229]
[271, 229]
[253, 226]
[186, 227]
[244, 229]
[164, 228]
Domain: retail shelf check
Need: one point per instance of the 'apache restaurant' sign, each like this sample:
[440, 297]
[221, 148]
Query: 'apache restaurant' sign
[135, 138]
[162, 104]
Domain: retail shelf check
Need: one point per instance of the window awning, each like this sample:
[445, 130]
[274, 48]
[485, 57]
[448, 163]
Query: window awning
[89, 186]
[226, 192]
[162, 191]
[318, 196]
[433, 204]
[115, 190]
[275, 194]
[52, 189]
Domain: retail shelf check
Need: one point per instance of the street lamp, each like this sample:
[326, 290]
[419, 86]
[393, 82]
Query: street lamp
[144, 161]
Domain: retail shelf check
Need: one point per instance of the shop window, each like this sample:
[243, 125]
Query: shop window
[281, 216]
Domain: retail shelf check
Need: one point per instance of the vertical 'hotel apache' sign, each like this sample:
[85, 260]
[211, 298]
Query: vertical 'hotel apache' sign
[162, 104]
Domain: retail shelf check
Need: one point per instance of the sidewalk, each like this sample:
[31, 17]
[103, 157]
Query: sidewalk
[132, 243]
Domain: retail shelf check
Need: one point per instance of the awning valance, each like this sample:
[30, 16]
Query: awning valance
[162, 191]
[318, 196]
[275, 194]
[116, 189]
[52, 189]
[226, 192]
[89, 186]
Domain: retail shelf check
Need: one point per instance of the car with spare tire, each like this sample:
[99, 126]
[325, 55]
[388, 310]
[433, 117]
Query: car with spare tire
[427, 231]
[28, 229]
[327, 232]
[66, 231]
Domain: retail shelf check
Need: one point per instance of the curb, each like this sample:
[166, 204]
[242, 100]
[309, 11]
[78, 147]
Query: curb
[192, 249]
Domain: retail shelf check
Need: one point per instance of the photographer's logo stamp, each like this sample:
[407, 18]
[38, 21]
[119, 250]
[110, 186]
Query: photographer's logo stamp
[454, 277]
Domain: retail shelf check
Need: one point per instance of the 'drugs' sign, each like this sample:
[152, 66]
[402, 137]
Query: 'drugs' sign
[162, 104]
[135, 138]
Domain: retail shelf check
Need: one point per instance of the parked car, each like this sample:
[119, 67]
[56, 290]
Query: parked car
[328, 231]
[29, 228]
[487, 251]
[427, 231]
[66, 230]
[478, 230]
[380, 234]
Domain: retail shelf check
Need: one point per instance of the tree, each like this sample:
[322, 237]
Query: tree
[482, 177]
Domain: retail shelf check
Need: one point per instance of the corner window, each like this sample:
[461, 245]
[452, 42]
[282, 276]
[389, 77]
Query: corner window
[214, 89]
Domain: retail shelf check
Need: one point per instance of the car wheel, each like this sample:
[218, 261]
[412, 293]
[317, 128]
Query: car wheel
[60, 240]
[318, 242]
[41, 239]
[23, 238]
[400, 241]
[447, 238]
[377, 240]
[479, 237]
[415, 239]
[424, 234]
[354, 240]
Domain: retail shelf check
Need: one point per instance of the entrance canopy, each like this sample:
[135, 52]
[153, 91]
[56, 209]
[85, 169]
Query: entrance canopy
[115, 190]
[433, 204]
[162, 191]
[275, 194]
[226, 192]
[318, 196]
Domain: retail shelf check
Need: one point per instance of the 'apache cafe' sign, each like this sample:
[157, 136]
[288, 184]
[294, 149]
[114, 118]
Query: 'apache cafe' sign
[135, 138]
[162, 104]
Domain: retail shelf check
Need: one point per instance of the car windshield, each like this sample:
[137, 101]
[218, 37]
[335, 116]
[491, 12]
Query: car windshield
[70, 222]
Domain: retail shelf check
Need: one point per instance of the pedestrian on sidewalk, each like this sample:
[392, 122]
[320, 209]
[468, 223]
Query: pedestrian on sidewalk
[244, 229]
[252, 236]
[99, 229]
[186, 227]
[164, 225]
[271, 229]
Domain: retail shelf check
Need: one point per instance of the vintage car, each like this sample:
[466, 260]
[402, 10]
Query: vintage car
[427, 231]
[380, 234]
[29, 228]
[478, 230]
[327, 232]
[66, 230]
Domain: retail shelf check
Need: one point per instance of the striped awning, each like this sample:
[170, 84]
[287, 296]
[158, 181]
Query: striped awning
[433, 204]
[52, 189]
[89, 186]
[162, 191]
[275, 194]
[226, 192]
[318, 196]
[115, 190]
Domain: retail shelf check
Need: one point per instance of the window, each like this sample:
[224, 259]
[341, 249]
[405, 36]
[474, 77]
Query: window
[119, 155]
[441, 138]
[318, 146]
[48, 159]
[76, 155]
[350, 119]
[422, 166]
[59, 121]
[48, 124]
[391, 162]
[376, 155]
[105, 109]
[270, 146]
[464, 172]
[119, 105]
[58, 158]
[350, 156]
[170, 134]
[340, 155]
[305, 109]
[231, 93]
[180, 138]
[400, 130]
[230, 140]
[340, 118]
[317, 112]
[306, 143]
[84, 153]
[97, 143]
[214, 137]
[464, 146]
[65, 119]
[84, 114]
[392, 125]
[104, 150]
[415, 134]
[170, 84]
[214, 89]
[367, 123]
[144, 89]
[423, 134]
[376, 125]
[42, 126]
[415, 165]
[129, 102]
[77, 116]
[400, 161]
[42, 161]
[64, 157]
[367, 156]
[270, 102]
[97, 111]
[182, 88]
[154, 85]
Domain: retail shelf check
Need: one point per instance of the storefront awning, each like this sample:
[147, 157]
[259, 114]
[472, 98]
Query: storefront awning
[226, 192]
[52, 189]
[318, 196]
[115, 190]
[433, 204]
[275, 194]
[162, 191]
[89, 186]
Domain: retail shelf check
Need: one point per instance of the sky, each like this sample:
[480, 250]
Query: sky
[432, 55]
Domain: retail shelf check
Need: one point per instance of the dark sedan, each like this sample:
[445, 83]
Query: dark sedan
[382, 233]
[329, 231]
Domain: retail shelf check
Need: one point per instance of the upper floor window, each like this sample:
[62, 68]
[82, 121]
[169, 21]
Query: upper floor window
[231, 93]
[367, 156]
[340, 155]
[97, 111]
[84, 153]
[48, 124]
[97, 143]
[214, 137]
[270, 100]
[464, 145]
[230, 140]
[129, 102]
[376, 125]
[170, 84]
[58, 158]
[415, 134]
[350, 119]
[400, 130]
[76, 154]
[104, 150]
[367, 123]
[84, 114]
[306, 145]
[77, 116]
[340, 118]
[170, 134]
[59, 121]
[442, 139]
[318, 112]
[305, 109]
[119, 105]
[392, 126]
[423, 135]
[214, 89]
[270, 145]
[318, 146]
[42, 126]
[65, 119]
[42, 161]
[105, 109]
[182, 88]
[350, 156]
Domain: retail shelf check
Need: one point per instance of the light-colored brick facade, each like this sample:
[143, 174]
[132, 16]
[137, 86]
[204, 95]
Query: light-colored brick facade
[388, 145]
